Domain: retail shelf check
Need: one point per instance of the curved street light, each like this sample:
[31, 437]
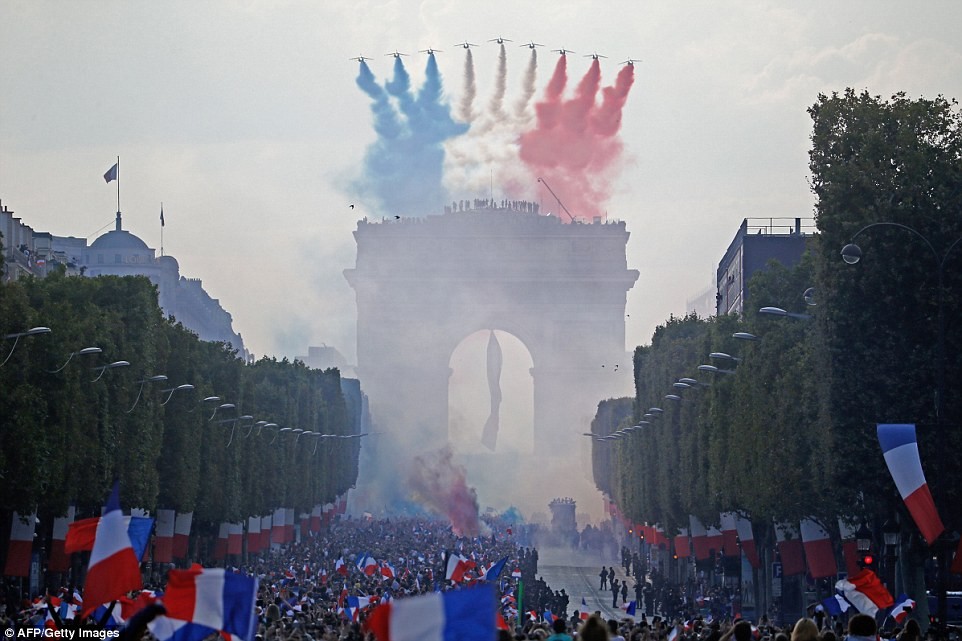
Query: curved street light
[724, 357]
[744, 336]
[104, 368]
[778, 311]
[150, 379]
[186, 387]
[81, 352]
[222, 406]
[33, 331]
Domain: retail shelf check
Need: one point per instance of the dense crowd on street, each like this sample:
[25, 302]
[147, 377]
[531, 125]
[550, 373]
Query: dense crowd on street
[324, 587]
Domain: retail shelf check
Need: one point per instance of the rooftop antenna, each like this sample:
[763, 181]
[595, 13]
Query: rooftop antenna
[561, 204]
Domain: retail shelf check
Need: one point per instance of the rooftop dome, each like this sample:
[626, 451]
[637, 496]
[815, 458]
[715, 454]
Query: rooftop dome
[119, 239]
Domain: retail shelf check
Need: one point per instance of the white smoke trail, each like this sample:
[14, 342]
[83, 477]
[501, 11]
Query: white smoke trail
[470, 89]
[527, 87]
[500, 86]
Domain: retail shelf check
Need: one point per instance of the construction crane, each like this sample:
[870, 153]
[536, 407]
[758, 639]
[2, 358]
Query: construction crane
[561, 204]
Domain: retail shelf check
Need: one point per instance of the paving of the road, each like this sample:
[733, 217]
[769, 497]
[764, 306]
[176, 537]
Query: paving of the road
[577, 572]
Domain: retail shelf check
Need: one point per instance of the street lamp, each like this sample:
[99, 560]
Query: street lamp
[104, 368]
[852, 254]
[891, 536]
[724, 357]
[33, 331]
[150, 379]
[82, 352]
[778, 311]
[180, 388]
[744, 336]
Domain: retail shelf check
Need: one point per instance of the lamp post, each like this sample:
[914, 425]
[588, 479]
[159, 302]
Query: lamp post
[80, 352]
[852, 254]
[104, 368]
[33, 331]
[891, 536]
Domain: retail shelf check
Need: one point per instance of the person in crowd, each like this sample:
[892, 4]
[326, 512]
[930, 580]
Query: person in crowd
[805, 629]
[862, 627]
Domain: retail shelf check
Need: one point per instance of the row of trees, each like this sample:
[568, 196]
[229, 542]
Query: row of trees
[791, 434]
[66, 437]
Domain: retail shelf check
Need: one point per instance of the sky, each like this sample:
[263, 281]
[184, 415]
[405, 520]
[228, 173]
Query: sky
[245, 120]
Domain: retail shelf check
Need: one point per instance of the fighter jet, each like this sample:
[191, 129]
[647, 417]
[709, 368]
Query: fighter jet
[429, 51]
[563, 51]
[465, 44]
[532, 45]
[396, 54]
[499, 40]
[630, 62]
[595, 56]
[361, 58]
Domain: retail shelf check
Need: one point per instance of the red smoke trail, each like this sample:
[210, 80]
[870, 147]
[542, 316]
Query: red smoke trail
[574, 144]
[442, 486]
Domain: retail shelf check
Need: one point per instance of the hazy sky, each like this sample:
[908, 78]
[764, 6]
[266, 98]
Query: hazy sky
[244, 119]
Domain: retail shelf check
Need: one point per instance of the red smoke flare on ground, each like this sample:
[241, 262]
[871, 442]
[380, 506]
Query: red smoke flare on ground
[574, 145]
[441, 486]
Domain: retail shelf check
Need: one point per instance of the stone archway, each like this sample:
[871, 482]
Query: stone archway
[421, 285]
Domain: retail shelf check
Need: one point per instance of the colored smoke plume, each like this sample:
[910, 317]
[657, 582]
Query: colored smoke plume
[466, 112]
[442, 486]
[403, 167]
[574, 144]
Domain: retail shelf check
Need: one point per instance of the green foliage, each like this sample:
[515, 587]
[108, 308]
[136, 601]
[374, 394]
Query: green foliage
[66, 437]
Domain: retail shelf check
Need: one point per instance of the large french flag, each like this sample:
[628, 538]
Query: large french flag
[455, 568]
[253, 535]
[213, 598]
[82, 534]
[21, 544]
[865, 592]
[59, 559]
[277, 527]
[819, 552]
[182, 534]
[716, 540]
[220, 545]
[235, 538]
[747, 540]
[316, 519]
[901, 451]
[456, 615]
[790, 549]
[113, 569]
[164, 538]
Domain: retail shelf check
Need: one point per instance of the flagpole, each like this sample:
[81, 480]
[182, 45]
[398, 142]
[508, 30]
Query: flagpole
[161, 228]
[118, 187]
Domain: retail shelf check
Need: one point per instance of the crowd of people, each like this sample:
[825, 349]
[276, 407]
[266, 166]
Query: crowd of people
[324, 587]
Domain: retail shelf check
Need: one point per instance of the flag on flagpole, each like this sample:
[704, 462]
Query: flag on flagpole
[81, 534]
[113, 569]
[161, 214]
[493, 572]
[835, 605]
[901, 451]
[21, 544]
[112, 172]
[819, 551]
[584, 610]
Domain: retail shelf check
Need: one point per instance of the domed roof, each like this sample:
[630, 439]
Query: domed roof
[119, 239]
[169, 263]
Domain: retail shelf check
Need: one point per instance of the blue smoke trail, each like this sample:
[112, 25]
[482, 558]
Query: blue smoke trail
[403, 166]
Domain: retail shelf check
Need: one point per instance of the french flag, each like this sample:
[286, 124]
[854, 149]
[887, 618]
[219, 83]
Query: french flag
[819, 552]
[366, 564]
[114, 569]
[747, 540]
[682, 544]
[716, 540]
[699, 538]
[81, 534]
[235, 538]
[59, 559]
[494, 570]
[220, 545]
[253, 534]
[865, 592]
[584, 610]
[277, 527]
[213, 598]
[457, 565]
[288, 524]
[457, 615]
[387, 570]
[316, 519]
[729, 534]
[901, 451]
[164, 538]
[903, 605]
[21, 544]
[340, 567]
[849, 546]
[182, 534]
[790, 549]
